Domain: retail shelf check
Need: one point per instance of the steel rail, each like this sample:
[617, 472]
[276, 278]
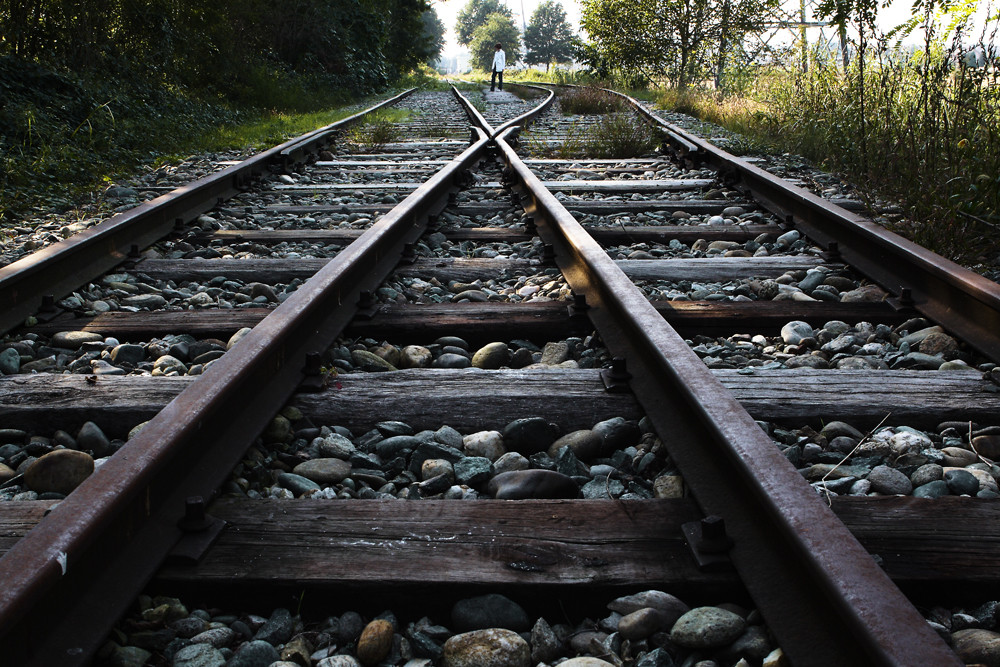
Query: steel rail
[58, 269]
[824, 597]
[963, 301]
[68, 580]
[528, 116]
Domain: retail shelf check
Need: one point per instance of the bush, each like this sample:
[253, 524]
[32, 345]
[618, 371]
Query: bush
[589, 100]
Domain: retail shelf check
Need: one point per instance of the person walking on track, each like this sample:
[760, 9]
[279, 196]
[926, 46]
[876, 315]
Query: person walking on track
[499, 62]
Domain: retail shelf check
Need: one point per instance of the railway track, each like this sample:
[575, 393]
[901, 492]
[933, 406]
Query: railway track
[523, 304]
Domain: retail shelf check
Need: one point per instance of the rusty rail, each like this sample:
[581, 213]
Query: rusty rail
[824, 597]
[62, 267]
[71, 577]
[965, 302]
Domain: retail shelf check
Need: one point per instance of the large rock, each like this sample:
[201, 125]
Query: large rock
[59, 471]
[535, 483]
[493, 647]
[324, 471]
[529, 435]
[707, 628]
[489, 611]
[975, 646]
[73, 340]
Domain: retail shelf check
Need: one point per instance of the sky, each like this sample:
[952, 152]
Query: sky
[897, 12]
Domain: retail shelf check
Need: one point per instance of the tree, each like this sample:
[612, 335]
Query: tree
[474, 15]
[433, 34]
[679, 39]
[497, 29]
[548, 36]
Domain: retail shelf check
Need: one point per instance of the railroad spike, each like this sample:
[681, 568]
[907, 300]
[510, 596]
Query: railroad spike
[616, 378]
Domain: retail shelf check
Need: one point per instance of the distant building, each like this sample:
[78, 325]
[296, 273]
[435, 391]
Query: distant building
[455, 64]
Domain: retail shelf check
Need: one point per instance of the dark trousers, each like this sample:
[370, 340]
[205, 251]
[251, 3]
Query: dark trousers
[493, 81]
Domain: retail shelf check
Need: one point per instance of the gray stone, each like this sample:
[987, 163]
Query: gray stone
[217, 637]
[350, 626]
[864, 294]
[254, 653]
[297, 484]
[665, 602]
[491, 356]
[914, 339]
[149, 301]
[237, 337]
[199, 655]
[545, 645]
[598, 489]
[889, 481]
[934, 489]
[339, 661]
[752, 645]
[396, 445]
[642, 623]
[794, 332]
[446, 435]
[415, 356]
[434, 467]
[925, 474]
[129, 656]
[555, 353]
[366, 360]
[617, 433]
[101, 367]
[529, 435]
[488, 444]
[335, 446]
[128, 354]
[166, 364]
[987, 445]
[975, 646]
[450, 360]
[92, 438]
[585, 661]
[656, 658]
[59, 471]
[10, 362]
[278, 629]
[488, 611]
[73, 340]
[961, 482]
[473, 470]
[493, 647]
[707, 628]
[324, 471]
[510, 462]
[585, 444]
[523, 484]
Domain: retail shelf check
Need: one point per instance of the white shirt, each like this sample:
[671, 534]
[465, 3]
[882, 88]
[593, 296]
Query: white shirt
[499, 61]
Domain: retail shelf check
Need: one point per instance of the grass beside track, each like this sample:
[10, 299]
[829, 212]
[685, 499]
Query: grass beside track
[64, 138]
[933, 147]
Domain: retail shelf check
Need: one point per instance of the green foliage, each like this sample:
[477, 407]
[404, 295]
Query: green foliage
[548, 37]
[433, 31]
[914, 126]
[588, 100]
[620, 136]
[497, 29]
[681, 40]
[376, 130]
[475, 15]
[554, 75]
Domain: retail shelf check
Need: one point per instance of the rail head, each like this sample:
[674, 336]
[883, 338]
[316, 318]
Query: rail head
[58, 269]
[69, 579]
[962, 300]
[800, 563]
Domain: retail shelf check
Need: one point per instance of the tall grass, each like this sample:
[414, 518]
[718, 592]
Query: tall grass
[915, 126]
[588, 100]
